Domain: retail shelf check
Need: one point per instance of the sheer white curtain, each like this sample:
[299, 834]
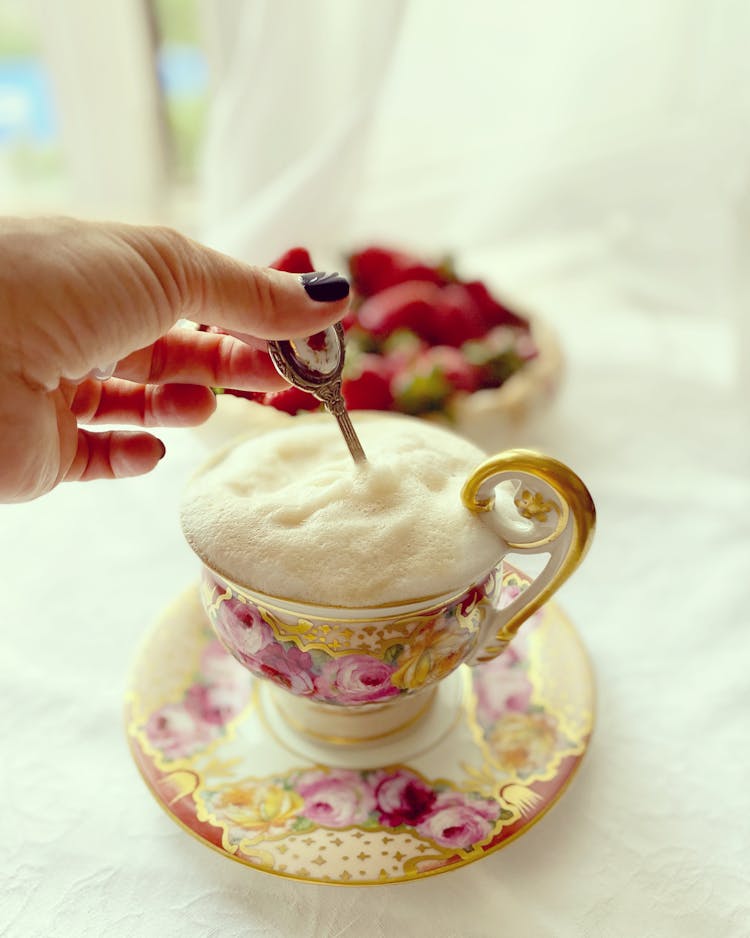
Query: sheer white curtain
[100, 61]
[587, 133]
[296, 89]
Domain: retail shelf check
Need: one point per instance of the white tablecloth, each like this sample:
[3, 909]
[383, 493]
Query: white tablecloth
[652, 837]
[593, 159]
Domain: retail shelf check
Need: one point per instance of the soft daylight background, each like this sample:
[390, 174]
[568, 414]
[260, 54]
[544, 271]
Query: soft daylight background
[592, 160]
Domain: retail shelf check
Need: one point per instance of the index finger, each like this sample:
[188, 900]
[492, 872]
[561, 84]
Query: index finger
[187, 356]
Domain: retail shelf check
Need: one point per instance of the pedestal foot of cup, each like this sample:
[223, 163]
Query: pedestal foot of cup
[364, 737]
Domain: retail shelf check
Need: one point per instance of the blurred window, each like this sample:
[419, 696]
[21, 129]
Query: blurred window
[31, 155]
[183, 78]
[32, 152]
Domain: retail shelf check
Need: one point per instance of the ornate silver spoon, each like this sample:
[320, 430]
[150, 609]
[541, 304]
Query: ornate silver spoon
[315, 364]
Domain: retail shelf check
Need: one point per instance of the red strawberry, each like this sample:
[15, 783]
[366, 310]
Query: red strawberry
[496, 355]
[405, 306]
[492, 311]
[294, 261]
[456, 318]
[428, 382]
[402, 347]
[460, 374]
[375, 269]
[248, 395]
[291, 400]
[370, 387]
[419, 390]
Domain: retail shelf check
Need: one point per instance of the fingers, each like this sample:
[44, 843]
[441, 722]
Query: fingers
[114, 455]
[77, 295]
[169, 405]
[192, 357]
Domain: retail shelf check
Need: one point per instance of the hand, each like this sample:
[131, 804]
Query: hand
[75, 296]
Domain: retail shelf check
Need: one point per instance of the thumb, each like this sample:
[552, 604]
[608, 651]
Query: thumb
[78, 295]
[260, 301]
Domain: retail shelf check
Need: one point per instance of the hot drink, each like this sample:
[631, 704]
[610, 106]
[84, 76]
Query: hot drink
[291, 515]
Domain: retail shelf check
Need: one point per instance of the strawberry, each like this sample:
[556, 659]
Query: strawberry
[448, 361]
[493, 312]
[291, 400]
[375, 269]
[403, 346]
[456, 317]
[369, 388]
[359, 341]
[294, 261]
[248, 395]
[404, 306]
[430, 380]
[496, 356]
[418, 390]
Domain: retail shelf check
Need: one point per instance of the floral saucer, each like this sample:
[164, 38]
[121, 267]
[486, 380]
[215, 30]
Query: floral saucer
[203, 736]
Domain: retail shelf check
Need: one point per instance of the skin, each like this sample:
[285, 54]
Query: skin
[75, 296]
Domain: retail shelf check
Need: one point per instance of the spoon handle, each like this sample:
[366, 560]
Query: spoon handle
[334, 404]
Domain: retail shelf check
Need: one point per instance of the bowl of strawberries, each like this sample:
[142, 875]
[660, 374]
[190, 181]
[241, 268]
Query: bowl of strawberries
[421, 340]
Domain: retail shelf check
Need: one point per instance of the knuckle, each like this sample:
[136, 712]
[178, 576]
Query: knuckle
[169, 256]
[158, 361]
[264, 298]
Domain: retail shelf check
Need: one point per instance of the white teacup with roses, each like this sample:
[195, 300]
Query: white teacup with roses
[355, 676]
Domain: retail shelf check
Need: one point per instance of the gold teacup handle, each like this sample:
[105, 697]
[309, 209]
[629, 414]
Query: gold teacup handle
[551, 512]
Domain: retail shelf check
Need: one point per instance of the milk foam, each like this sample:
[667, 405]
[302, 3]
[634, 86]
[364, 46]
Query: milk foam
[290, 514]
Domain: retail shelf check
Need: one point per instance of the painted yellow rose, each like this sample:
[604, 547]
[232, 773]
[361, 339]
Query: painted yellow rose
[523, 743]
[432, 654]
[259, 807]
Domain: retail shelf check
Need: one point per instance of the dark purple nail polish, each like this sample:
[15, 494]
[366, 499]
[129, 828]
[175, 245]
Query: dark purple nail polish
[325, 288]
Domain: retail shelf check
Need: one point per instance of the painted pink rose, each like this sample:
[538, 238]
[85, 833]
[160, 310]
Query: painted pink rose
[176, 732]
[335, 799]
[217, 667]
[285, 665]
[216, 704]
[502, 685]
[458, 820]
[243, 629]
[403, 798]
[356, 679]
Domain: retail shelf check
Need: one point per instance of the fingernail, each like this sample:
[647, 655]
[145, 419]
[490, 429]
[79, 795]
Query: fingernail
[325, 288]
[163, 449]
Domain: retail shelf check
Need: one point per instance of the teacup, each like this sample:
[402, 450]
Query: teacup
[346, 674]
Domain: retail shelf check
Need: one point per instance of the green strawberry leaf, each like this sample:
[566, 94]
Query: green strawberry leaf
[422, 393]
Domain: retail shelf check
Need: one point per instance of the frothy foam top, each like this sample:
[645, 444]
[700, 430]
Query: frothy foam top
[289, 513]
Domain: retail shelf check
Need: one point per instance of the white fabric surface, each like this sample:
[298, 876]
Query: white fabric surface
[612, 204]
[652, 837]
